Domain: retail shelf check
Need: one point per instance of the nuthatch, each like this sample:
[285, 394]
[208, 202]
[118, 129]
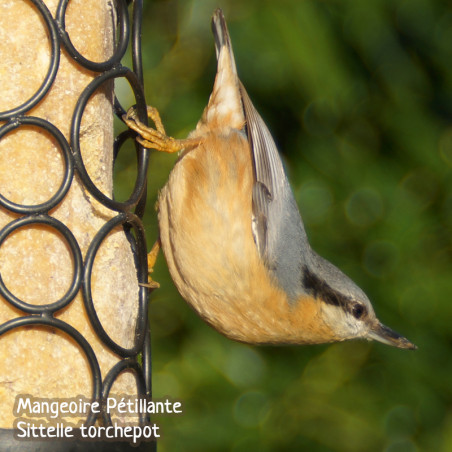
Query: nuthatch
[232, 233]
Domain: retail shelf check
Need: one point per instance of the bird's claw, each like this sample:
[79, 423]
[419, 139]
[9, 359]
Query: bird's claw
[152, 257]
[155, 138]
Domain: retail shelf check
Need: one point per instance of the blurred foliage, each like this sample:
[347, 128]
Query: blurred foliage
[358, 96]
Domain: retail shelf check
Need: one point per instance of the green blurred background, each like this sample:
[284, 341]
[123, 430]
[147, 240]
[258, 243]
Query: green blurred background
[358, 96]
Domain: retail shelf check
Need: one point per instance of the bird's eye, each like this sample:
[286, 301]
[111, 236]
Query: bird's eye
[358, 310]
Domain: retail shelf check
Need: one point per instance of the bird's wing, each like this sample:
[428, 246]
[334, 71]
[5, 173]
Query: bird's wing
[277, 225]
[270, 179]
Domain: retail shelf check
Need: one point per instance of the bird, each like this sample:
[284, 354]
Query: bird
[233, 236]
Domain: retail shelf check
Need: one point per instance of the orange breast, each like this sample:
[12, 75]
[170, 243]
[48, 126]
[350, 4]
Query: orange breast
[205, 218]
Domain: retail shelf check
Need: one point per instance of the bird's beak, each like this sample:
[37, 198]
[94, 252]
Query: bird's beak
[382, 333]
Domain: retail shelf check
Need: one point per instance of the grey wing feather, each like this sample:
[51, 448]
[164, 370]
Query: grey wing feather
[277, 226]
[268, 172]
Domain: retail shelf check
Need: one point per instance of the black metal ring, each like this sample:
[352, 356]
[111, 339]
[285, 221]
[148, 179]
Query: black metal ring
[143, 154]
[53, 66]
[137, 64]
[120, 48]
[117, 145]
[147, 362]
[141, 325]
[113, 374]
[77, 265]
[68, 165]
[78, 338]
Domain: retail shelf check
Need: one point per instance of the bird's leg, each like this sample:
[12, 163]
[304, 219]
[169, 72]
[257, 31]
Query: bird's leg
[156, 138]
[152, 257]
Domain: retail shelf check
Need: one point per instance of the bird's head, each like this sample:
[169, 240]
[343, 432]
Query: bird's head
[345, 308]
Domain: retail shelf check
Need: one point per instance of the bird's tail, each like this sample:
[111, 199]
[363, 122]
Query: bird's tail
[221, 35]
[225, 105]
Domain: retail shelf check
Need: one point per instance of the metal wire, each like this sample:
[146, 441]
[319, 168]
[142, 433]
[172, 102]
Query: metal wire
[137, 358]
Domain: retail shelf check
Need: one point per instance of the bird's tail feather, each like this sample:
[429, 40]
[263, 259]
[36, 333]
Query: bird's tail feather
[221, 34]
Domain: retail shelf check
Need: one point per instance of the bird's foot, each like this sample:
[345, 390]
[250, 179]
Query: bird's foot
[155, 138]
[152, 257]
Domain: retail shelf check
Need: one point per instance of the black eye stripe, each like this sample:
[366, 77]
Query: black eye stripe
[319, 289]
